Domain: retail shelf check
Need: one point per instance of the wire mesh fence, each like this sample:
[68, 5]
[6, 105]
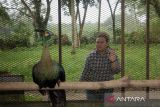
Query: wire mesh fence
[21, 45]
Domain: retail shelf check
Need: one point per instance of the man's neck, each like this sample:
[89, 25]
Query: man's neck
[101, 52]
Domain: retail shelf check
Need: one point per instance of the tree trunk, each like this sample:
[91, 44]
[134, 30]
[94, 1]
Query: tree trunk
[73, 19]
[78, 16]
[39, 22]
[113, 19]
[83, 21]
[114, 29]
[99, 16]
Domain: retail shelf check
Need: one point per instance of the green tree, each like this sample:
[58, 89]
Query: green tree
[99, 14]
[155, 30]
[112, 11]
[155, 4]
[139, 6]
[4, 16]
[85, 3]
[39, 15]
[70, 4]
[37, 10]
[131, 24]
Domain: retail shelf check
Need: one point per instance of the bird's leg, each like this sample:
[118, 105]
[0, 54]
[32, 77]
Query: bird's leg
[58, 82]
[43, 92]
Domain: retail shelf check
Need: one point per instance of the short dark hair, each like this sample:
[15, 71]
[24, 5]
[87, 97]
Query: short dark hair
[103, 35]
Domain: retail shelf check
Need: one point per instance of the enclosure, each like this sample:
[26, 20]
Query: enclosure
[134, 29]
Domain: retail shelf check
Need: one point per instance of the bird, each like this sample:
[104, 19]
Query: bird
[47, 73]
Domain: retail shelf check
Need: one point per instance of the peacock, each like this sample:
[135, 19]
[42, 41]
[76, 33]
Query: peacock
[48, 73]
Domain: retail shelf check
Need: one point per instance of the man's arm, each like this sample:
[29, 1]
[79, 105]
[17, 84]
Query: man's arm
[114, 61]
[116, 68]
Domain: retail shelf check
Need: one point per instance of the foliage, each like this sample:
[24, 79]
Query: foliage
[135, 37]
[37, 10]
[84, 40]
[64, 40]
[113, 12]
[15, 40]
[88, 32]
[18, 36]
[138, 6]
[155, 30]
[131, 24]
[88, 40]
[3, 14]
[156, 6]
[66, 4]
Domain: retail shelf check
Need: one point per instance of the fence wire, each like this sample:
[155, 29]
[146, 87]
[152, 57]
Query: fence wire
[21, 45]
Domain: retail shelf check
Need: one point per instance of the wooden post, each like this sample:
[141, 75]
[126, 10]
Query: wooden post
[124, 82]
[28, 86]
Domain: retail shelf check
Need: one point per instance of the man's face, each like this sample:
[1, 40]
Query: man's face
[101, 44]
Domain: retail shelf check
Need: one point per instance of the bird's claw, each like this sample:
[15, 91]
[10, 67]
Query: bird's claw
[43, 92]
[58, 83]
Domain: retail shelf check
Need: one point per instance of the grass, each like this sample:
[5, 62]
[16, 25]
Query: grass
[21, 60]
[136, 62]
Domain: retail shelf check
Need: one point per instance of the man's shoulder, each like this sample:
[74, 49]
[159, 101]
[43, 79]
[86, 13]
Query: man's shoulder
[92, 53]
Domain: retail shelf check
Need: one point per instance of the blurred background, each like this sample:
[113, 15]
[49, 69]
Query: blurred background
[21, 46]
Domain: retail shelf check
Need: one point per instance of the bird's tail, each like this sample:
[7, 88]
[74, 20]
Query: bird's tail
[57, 98]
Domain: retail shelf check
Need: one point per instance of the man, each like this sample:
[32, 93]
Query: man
[101, 65]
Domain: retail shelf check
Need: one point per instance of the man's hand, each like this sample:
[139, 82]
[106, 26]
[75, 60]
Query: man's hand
[112, 55]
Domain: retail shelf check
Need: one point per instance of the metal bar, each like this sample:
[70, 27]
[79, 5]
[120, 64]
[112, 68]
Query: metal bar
[122, 38]
[59, 30]
[99, 16]
[122, 42]
[147, 44]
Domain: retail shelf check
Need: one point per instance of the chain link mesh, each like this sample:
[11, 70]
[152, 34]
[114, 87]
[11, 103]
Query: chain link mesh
[21, 46]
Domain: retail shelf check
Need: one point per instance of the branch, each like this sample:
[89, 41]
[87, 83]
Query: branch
[116, 6]
[83, 20]
[110, 8]
[19, 11]
[78, 13]
[50, 1]
[48, 11]
[24, 3]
